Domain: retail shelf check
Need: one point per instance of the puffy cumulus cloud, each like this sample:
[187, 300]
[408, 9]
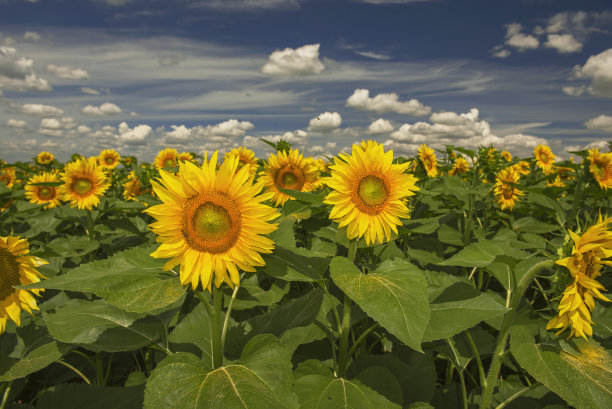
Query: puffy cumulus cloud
[297, 138]
[601, 123]
[602, 145]
[515, 38]
[31, 35]
[325, 122]
[579, 23]
[564, 43]
[133, 136]
[56, 127]
[500, 52]
[220, 132]
[67, 72]
[597, 69]
[41, 109]
[17, 72]
[380, 126]
[90, 91]
[230, 128]
[16, 123]
[299, 62]
[574, 91]
[83, 129]
[105, 109]
[382, 103]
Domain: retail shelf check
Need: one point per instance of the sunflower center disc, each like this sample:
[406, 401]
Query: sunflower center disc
[508, 192]
[5, 178]
[110, 161]
[372, 190]
[45, 193]
[169, 163]
[83, 186]
[212, 222]
[290, 178]
[9, 273]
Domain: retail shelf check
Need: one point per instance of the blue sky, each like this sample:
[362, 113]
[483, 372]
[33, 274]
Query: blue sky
[140, 75]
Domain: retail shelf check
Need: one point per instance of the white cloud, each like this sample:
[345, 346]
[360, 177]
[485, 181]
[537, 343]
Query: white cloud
[385, 103]
[602, 145]
[574, 91]
[374, 55]
[56, 127]
[298, 138]
[41, 109]
[105, 109]
[17, 73]
[564, 43]
[597, 69]
[90, 91]
[135, 136]
[83, 129]
[31, 35]
[515, 38]
[325, 122]
[67, 72]
[16, 123]
[230, 128]
[601, 123]
[299, 62]
[380, 126]
[219, 132]
[500, 52]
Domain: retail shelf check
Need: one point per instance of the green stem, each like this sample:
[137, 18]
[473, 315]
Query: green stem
[455, 363]
[215, 328]
[99, 370]
[344, 337]
[75, 370]
[481, 373]
[90, 232]
[205, 303]
[228, 312]
[108, 368]
[578, 193]
[517, 394]
[7, 391]
[361, 338]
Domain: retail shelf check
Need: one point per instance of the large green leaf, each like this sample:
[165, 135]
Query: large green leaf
[81, 396]
[194, 328]
[131, 280]
[580, 371]
[394, 295]
[479, 254]
[33, 359]
[295, 264]
[262, 380]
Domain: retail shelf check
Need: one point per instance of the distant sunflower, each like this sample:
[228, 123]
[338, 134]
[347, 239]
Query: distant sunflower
[584, 265]
[544, 158]
[460, 167]
[246, 157]
[507, 156]
[8, 177]
[17, 268]
[48, 195]
[522, 168]
[369, 192]
[429, 160]
[184, 157]
[288, 170]
[132, 187]
[601, 167]
[84, 183]
[109, 159]
[44, 158]
[506, 194]
[211, 222]
[166, 158]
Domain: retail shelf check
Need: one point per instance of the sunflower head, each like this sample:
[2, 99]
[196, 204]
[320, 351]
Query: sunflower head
[506, 193]
[17, 268]
[460, 167]
[544, 158]
[109, 159]
[288, 170]
[8, 177]
[129, 161]
[211, 222]
[84, 183]
[246, 157]
[369, 192]
[522, 168]
[44, 158]
[43, 194]
[601, 167]
[166, 158]
[132, 187]
[427, 156]
[184, 157]
[507, 156]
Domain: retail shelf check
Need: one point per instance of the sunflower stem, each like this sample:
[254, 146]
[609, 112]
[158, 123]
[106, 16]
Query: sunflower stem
[75, 370]
[344, 337]
[90, 231]
[228, 312]
[7, 391]
[481, 372]
[99, 370]
[215, 328]
[577, 197]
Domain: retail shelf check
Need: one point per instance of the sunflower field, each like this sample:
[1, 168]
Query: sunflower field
[456, 278]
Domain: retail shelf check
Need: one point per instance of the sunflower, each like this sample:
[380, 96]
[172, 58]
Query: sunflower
[109, 159]
[17, 268]
[184, 157]
[601, 167]
[8, 177]
[584, 265]
[369, 192]
[84, 183]
[429, 160]
[522, 168]
[48, 195]
[505, 191]
[459, 167]
[289, 170]
[166, 159]
[211, 222]
[132, 187]
[44, 158]
[544, 158]
[507, 156]
[246, 157]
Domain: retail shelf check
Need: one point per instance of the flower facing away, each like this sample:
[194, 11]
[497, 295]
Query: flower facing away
[8, 177]
[584, 265]
[522, 168]
[109, 159]
[429, 160]
[167, 158]
[17, 268]
[289, 170]
[211, 222]
[184, 156]
[132, 187]
[507, 156]
[601, 167]
[544, 158]
[460, 167]
[506, 193]
[48, 195]
[246, 157]
[44, 158]
[369, 192]
[84, 183]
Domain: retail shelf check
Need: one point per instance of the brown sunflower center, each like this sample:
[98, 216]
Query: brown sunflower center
[508, 192]
[290, 177]
[6, 178]
[9, 273]
[169, 163]
[109, 160]
[211, 222]
[370, 193]
[82, 186]
[46, 193]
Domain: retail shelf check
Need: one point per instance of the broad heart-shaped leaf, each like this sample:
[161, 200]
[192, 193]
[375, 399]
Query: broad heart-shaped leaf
[394, 295]
[35, 359]
[479, 254]
[195, 329]
[581, 373]
[262, 379]
[295, 264]
[82, 396]
[131, 280]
